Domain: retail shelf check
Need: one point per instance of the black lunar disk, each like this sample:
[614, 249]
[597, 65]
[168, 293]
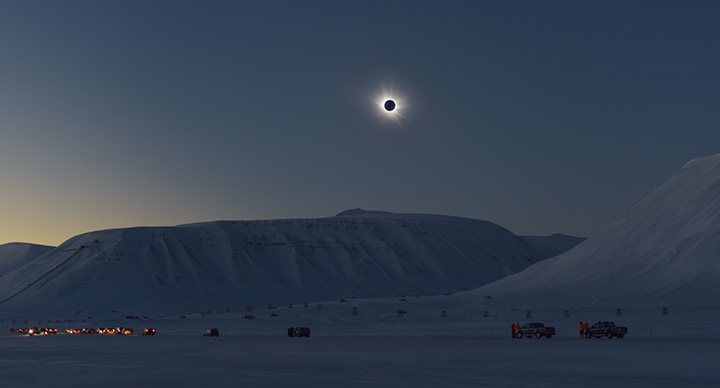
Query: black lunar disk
[389, 105]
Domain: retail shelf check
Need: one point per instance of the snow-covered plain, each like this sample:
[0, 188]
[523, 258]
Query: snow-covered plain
[374, 348]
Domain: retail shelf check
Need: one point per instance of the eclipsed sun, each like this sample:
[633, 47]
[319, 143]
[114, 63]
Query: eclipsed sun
[390, 105]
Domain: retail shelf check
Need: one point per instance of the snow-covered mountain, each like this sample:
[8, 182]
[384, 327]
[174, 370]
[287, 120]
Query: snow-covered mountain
[234, 263]
[547, 246]
[553, 245]
[15, 255]
[665, 249]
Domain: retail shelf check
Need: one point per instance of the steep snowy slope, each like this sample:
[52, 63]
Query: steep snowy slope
[666, 248]
[550, 246]
[232, 264]
[15, 255]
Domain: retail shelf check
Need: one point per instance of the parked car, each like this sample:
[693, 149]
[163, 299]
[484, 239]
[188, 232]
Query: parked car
[301, 332]
[211, 333]
[605, 329]
[536, 329]
[149, 331]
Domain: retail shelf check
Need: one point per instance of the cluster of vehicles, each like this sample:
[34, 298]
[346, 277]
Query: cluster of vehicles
[601, 329]
[102, 330]
[34, 330]
[213, 332]
[31, 331]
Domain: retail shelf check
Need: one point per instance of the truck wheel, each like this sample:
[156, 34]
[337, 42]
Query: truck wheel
[588, 335]
[538, 334]
[519, 335]
[609, 334]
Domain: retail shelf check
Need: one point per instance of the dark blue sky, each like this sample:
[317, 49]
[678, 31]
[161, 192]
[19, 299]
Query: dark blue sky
[541, 116]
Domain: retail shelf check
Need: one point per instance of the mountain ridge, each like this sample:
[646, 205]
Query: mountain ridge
[222, 264]
[15, 255]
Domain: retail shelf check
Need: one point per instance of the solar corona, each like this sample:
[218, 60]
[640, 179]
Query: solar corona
[390, 105]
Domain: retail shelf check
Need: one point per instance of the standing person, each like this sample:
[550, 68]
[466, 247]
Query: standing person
[517, 328]
[581, 326]
[512, 329]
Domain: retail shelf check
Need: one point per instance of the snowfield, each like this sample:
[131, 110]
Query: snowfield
[420, 349]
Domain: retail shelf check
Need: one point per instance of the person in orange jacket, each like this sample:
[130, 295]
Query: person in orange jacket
[583, 328]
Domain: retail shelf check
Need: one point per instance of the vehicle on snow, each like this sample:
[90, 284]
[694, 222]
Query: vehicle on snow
[605, 329]
[149, 331]
[536, 329]
[211, 333]
[301, 332]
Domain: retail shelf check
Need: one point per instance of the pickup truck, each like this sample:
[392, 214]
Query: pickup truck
[605, 329]
[537, 329]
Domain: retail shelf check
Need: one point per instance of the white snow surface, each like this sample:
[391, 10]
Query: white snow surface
[665, 249]
[551, 246]
[376, 347]
[15, 255]
[212, 266]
